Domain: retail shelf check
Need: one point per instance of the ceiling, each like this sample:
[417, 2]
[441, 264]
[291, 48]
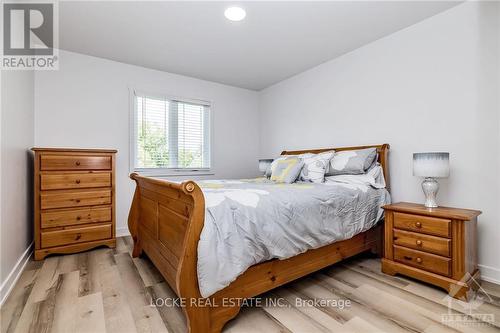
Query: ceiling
[275, 41]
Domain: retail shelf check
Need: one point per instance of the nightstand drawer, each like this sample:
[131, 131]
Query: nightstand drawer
[426, 261]
[426, 243]
[427, 225]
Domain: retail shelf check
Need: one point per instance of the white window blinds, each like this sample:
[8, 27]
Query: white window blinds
[171, 134]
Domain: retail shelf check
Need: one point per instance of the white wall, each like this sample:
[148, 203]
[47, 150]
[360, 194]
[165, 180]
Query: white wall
[86, 104]
[430, 87]
[16, 228]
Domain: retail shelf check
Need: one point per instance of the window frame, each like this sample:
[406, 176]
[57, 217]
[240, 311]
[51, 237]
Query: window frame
[133, 92]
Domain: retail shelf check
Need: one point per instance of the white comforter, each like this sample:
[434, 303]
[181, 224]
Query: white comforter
[251, 221]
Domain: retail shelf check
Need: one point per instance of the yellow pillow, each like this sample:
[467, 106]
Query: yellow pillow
[286, 170]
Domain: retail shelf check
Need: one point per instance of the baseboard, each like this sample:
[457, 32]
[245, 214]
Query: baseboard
[121, 232]
[14, 275]
[490, 274]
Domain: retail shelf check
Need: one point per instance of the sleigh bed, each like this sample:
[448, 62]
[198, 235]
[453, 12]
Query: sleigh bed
[166, 220]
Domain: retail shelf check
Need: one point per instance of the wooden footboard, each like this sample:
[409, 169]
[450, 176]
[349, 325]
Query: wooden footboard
[166, 220]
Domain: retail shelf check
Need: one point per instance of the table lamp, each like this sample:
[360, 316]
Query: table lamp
[264, 164]
[431, 166]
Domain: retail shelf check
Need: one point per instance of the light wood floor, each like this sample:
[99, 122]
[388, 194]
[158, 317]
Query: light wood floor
[107, 290]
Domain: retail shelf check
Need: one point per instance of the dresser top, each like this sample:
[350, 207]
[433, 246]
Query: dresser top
[443, 212]
[75, 150]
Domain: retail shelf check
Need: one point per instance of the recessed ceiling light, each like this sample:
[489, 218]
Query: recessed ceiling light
[235, 13]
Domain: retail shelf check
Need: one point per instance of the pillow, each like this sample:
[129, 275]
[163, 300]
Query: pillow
[286, 170]
[282, 157]
[373, 177]
[352, 162]
[315, 167]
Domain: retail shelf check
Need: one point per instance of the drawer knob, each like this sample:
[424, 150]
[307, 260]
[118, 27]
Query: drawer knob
[78, 236]
[418, 224]
[78, 218]
[77, 162]
[77, 181]
[419, 260]
[77, 200]
[419, 242]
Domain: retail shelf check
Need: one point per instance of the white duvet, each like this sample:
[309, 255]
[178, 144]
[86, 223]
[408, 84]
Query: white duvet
[251, 221]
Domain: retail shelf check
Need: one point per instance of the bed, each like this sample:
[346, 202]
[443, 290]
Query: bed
[167, 220]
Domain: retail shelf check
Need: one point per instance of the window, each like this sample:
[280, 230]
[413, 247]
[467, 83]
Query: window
[170, 134]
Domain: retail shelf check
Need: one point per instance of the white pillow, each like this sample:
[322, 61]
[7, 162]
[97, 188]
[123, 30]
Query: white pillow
[315, 167]
[373, 177]
[352, 162]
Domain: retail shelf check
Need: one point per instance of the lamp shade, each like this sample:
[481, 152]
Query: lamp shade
[264, 164]
[434, 165]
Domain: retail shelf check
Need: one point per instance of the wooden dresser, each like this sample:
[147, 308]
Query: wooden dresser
[435, 245]
[74, 200]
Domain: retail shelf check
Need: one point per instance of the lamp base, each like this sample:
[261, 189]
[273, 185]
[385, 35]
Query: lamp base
[430, 186]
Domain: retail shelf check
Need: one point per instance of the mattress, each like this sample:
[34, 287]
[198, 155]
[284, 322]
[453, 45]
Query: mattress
[250, 221]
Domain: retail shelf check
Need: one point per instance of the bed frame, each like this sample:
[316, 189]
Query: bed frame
[166, 219]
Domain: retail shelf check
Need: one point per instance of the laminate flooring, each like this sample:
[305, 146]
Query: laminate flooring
[106, 290]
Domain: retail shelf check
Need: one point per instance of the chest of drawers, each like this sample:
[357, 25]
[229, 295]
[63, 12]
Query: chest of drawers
[74, 200]
[436, 245]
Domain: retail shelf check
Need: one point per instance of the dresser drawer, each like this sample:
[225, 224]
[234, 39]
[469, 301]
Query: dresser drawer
[75, 180]
[75, 235]
[74, 198]
[427, 225]
[426, 261]
[74, 162]
[426, 243]
[61, 218]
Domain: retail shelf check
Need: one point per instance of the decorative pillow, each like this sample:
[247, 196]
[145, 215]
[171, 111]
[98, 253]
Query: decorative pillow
[286, 170]
[282, 157]
[315, 167]
[269, 170]
[352, 162]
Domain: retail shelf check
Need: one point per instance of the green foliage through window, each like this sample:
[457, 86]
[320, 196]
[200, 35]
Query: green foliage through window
[153, 147]
[171, 134]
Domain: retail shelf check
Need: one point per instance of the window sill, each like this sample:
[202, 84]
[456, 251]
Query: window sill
[172, 173]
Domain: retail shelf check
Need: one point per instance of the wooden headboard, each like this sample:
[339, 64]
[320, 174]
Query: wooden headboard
[382, 150]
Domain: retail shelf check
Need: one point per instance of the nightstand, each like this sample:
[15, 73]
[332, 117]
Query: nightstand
[434, 245]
